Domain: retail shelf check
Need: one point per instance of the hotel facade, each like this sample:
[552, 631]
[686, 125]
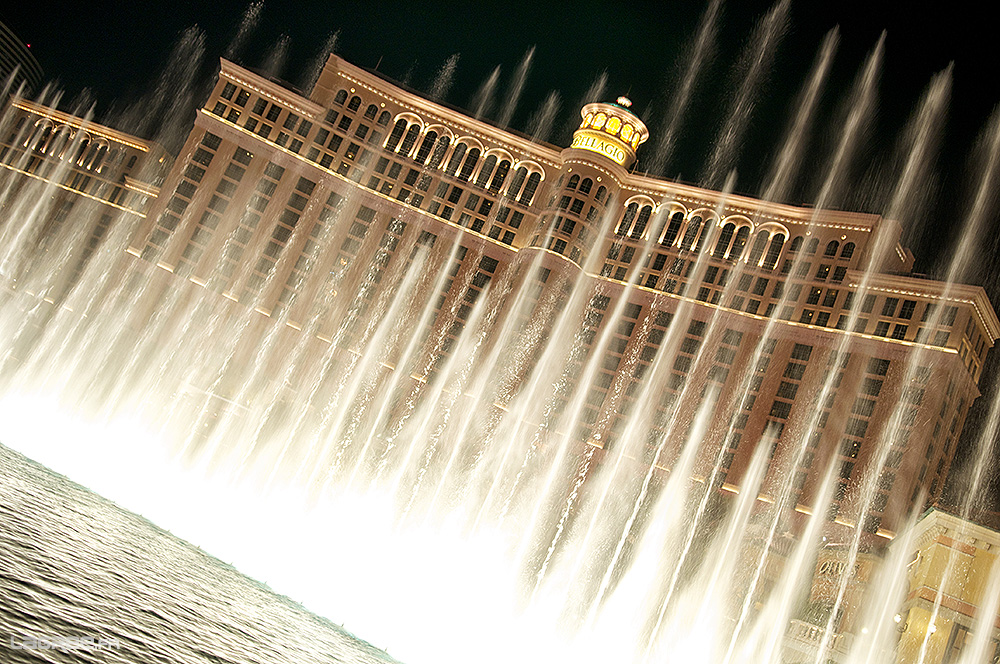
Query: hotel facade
[807, 326]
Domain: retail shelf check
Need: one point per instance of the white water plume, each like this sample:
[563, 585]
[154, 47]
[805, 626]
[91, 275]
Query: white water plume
[248, 23]
[516, 88]
[315, 68]
[541, 121]
[276, 57]
[483, 100]
[750, 77]
[444, 78]
[696, 56]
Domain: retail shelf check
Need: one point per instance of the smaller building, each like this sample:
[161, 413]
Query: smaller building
[953, 579]
[99, 174]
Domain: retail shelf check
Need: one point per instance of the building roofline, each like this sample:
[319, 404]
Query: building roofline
[89, 126]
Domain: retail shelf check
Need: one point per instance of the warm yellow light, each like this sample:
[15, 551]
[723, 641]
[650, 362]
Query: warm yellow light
[600, 120]
[596, 143]
[614, 124]
[627, 132]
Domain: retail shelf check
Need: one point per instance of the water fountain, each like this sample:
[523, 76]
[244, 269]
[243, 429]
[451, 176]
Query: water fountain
[421, 466]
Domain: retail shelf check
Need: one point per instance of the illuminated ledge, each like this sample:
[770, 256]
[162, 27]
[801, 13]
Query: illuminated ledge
[141, 215]
[78, 123]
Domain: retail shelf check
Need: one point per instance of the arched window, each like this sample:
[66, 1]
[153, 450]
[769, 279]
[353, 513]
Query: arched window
[439, 151]
[114, 158]
[673, 228]
[831, 248]
[99, 157]
[602, 191]
[847, 251]
[725, 237]
[757, 250]
[529, 189]
[397, 133]
[371, 111]
[383, 119]
[586, 185]
[80, 154]
[640, 223]
[88, 160]
[739, 243]
[573, 182]
[60, 141]
[692, 232]
[425, 147]
[796, 243]
[487, 170]
[812, 246]
[627, 219]
[520, 174]
[773, 251]
[409, 139]
[469, 166]
[340, 98]
[354, 104]
[456, 158]
[498, 178]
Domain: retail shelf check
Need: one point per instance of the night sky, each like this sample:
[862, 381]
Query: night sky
[114, 51]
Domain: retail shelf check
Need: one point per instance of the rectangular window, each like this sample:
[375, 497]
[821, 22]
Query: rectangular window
[871, 387]
[856, 427]
[889, 308]
[878, 366]
[863, 407]
[787, 390]
[781, 409]
[907, 309]
[794, 370]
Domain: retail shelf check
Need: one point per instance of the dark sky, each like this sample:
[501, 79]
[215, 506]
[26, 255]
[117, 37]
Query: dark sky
[115, 49]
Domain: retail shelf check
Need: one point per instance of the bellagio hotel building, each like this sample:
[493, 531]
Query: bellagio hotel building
[808, 325]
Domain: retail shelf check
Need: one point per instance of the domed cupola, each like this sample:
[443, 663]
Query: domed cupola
[611, 130]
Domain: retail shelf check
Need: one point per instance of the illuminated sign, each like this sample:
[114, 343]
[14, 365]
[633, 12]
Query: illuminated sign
[595, 143]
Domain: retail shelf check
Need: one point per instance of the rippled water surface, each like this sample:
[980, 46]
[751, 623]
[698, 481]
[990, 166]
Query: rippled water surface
[75, 566]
